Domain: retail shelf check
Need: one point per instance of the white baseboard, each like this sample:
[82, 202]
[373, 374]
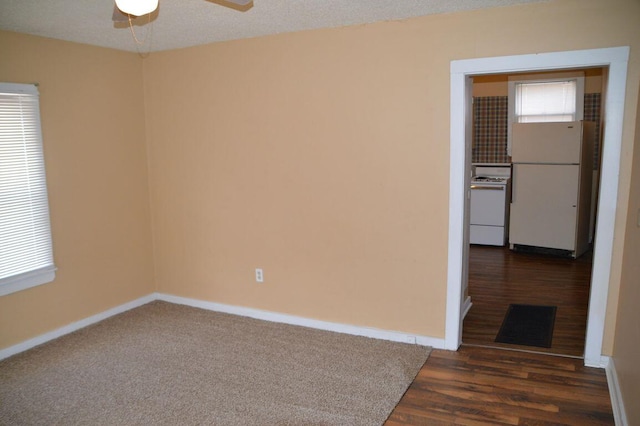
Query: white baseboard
[601, 361]
[393, 336]
[617, 403]
[465, 307]
[70, 328]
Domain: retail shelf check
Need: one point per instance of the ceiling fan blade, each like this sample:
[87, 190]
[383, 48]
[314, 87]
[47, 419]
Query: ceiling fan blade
[239, 5]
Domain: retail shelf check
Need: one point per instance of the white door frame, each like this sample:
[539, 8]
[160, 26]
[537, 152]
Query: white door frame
[615, 59]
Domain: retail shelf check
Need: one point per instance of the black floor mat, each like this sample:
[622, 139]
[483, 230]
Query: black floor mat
[528, 325]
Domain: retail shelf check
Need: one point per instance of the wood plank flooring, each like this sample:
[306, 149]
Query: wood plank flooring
[484, 386]
[499, 277]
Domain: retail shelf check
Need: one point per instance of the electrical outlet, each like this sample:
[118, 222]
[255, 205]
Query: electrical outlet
[259, 275]
[410, 339]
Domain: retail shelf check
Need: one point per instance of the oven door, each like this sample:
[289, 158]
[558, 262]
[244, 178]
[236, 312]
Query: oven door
[487, 205]
[488, 214]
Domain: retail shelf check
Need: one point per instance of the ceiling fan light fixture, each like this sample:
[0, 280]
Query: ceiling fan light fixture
[137, 7]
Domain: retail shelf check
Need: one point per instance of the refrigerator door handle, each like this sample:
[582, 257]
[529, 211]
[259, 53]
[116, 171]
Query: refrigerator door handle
[513, 185]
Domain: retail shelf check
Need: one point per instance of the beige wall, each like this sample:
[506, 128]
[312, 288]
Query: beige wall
[93, 129]
[322, 157]
[627, 336]
[299, 154]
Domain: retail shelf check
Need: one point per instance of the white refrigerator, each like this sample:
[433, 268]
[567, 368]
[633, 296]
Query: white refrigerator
[551, 186]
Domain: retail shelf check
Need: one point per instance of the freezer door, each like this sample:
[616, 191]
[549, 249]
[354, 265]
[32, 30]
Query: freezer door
[544, 205]
[556, 143]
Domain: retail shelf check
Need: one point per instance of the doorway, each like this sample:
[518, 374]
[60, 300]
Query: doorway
[500, 277]
[615, 59]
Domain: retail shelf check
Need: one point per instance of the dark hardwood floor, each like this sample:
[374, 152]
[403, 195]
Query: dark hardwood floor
[488, 383]
[499, 277]
[485, 386]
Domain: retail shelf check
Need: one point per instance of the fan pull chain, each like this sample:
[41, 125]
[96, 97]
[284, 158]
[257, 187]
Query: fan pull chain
[146, 36]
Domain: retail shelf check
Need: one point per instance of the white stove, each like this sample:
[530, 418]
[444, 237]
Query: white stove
[490, 196]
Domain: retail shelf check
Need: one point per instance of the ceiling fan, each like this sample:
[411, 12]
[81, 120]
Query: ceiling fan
[123, 10]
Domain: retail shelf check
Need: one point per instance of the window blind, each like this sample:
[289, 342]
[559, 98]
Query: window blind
[548, 101]
[26, 256]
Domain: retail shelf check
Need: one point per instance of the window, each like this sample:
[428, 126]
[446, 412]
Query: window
[26, 256]
[554, 99]
[546, 101]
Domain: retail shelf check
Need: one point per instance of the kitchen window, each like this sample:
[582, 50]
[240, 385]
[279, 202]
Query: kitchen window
[549, 100]
[26, 255]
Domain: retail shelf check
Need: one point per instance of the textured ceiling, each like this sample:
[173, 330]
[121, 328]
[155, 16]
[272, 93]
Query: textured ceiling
[182, 23]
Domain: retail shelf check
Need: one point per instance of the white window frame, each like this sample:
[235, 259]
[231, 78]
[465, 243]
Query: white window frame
[43, 270]
[514, 81]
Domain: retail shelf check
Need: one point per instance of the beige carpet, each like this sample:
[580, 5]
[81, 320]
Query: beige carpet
[176, 365]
